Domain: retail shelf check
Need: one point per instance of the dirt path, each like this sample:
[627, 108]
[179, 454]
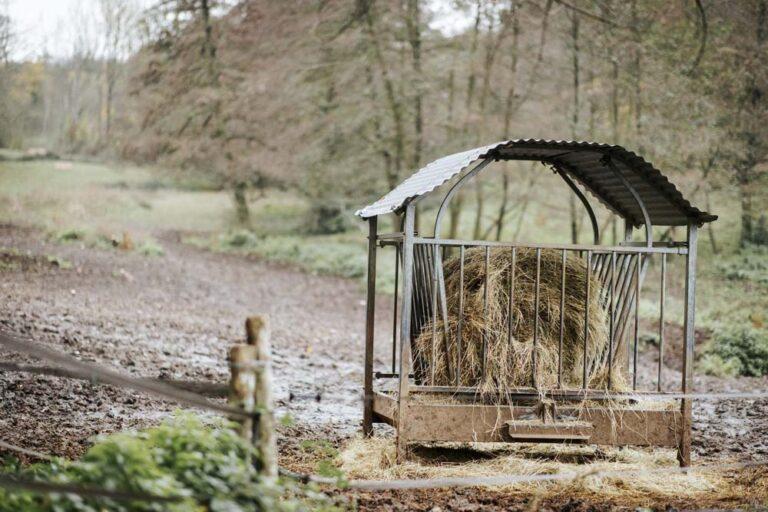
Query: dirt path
[175, 316]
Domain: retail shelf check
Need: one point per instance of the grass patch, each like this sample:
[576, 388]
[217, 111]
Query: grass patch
[146, 245]
[207, 465]
[749, 264]
[150, 248]
[58, 261]
[104, 197]
[341, 255]
[326, 456]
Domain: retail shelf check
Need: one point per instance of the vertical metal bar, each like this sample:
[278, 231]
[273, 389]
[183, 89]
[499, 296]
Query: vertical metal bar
[420, 305]
[433, 362]
[562, 325]
[510, 314]
[405, 332]
[485, 311]
[637, 320]
[684, 451]
[394, 314]
[460, 323]
[662, 303]
[534, 358]
[612, 320]
[622, 303]
[586, 320]
[420, 299]
[443, 307]
[370, 312]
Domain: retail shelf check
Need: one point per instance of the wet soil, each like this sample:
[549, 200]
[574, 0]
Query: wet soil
[176, 316]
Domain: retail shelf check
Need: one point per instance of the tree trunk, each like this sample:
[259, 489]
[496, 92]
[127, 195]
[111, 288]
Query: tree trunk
[393, 102]
[503, 206]
[454, 214]
[480, 197]
[711, 228]
[636, 75]
[209, 49]
[413, 22]
[574, 120]
[241, 204]
[753, 230]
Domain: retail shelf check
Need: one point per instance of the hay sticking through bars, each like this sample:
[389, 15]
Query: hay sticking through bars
[509, 359]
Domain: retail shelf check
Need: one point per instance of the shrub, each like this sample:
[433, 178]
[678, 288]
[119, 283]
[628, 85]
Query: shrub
[206, 465]
[239, 239]
[71, 235]
[151, 248]
[749, 264]
[713, 364]
[328, 219]
[741, 349]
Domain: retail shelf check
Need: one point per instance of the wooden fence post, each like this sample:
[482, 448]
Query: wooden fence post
[257, 334]
[242, 384]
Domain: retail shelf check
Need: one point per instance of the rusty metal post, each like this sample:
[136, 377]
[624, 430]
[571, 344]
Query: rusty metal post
[405, 333]
[662, 302]
[394, 310]
[258, 336]
[370, 314]
[684, 450]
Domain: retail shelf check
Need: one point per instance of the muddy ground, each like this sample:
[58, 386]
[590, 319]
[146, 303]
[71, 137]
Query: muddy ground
[175, 317]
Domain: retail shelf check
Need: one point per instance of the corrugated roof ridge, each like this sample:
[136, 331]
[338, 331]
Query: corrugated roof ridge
[455, 163]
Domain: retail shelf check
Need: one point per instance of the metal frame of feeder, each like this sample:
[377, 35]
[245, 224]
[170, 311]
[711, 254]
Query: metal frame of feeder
[635, 191]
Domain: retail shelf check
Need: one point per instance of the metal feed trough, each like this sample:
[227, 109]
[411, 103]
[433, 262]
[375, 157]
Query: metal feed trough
[629, 187]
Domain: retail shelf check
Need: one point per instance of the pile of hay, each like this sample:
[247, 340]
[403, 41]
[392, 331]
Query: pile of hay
[509, 365]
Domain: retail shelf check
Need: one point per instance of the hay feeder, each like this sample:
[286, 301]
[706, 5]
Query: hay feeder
[512, 342]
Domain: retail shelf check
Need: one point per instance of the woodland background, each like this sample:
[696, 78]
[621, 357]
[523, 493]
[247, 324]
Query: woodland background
[285, 117]
[340, 100]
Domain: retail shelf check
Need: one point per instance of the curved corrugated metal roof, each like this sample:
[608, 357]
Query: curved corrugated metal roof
[583, 161]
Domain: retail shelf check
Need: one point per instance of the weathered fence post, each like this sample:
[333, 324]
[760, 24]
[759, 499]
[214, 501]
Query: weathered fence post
[242, 384]
[257, 334]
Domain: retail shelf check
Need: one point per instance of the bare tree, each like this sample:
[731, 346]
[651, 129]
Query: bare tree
[118, 24]
[6, 39]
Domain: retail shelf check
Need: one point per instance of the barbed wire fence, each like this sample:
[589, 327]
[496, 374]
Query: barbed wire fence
[70, 367]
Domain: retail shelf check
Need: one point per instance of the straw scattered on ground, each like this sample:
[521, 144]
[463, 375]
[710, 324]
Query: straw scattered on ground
[374, 458]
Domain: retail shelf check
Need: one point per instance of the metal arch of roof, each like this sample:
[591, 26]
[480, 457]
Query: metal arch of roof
[583, 161]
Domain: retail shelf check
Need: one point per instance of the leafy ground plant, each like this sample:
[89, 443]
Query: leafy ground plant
[206, 465]
[738, 350]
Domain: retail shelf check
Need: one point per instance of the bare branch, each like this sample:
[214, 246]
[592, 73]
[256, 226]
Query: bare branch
[703, 40]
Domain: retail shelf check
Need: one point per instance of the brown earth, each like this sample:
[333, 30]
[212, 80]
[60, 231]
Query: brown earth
[175, 317]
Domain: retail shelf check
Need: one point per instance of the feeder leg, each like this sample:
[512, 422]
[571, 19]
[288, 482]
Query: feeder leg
[405, 333]
[684, 450]
[370, 310]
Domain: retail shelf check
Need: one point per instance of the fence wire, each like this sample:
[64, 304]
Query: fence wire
[12, 483]
[102, 375]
